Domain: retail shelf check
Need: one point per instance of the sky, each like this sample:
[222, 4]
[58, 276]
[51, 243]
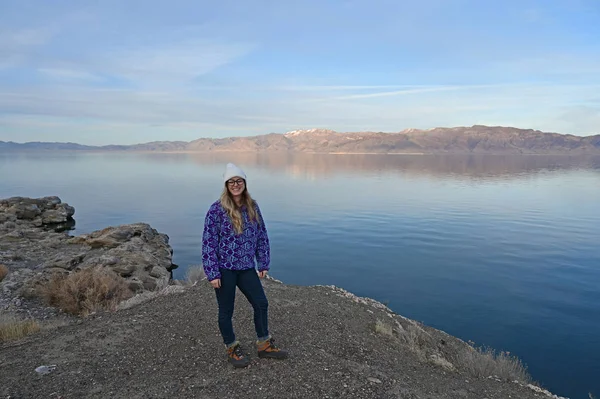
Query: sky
[122, 72]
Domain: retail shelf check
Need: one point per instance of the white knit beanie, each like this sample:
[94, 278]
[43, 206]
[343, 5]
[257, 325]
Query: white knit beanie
[232, 171]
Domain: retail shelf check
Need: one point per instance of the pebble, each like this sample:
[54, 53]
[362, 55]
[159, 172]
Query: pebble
[45, 369]
[375, 380]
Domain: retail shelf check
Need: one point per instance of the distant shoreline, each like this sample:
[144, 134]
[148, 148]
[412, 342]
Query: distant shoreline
[457, 140]
[291, 152]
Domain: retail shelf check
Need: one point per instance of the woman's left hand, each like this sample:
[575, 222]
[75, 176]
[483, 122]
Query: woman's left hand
[262, 274]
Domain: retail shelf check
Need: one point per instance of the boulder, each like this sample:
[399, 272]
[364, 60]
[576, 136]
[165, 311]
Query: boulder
[132, 251]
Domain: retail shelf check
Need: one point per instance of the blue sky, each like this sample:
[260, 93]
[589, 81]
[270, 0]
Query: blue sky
[109, 71]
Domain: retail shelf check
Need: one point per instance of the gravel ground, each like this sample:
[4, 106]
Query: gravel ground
[170, 347]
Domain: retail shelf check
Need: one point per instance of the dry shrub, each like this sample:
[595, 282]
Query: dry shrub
[440, 361]
[3, 272]
[148, 295]
[12, 328]
[479, 362]
[86, 291]
[383, 328]
[485, 362]
[417, 341]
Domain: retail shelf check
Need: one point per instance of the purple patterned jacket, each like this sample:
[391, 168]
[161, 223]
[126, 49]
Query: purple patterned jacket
[222, 248]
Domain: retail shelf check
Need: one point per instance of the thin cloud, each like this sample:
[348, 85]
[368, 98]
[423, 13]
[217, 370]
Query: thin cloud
[173, 56]
[343, 87]
[398, 92]
[553, 64]
[162, 65]
[167, 108]
[18, 39]
[16, 46]
[498, 88]
[177, 62]
[416, 90]
[69, 74]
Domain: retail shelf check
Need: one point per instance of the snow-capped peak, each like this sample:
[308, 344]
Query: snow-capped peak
[308, 131]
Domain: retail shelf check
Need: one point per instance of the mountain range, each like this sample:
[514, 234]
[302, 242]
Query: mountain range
[455, 140]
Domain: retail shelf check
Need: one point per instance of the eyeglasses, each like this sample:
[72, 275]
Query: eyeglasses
[237, 182]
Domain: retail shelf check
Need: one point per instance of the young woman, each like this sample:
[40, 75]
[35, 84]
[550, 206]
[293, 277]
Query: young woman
[234, 236]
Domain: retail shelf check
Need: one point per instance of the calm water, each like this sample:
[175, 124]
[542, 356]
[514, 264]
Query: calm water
[503, 251]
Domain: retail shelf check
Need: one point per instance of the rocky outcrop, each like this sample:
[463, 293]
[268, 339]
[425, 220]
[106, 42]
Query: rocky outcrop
[136, 252]
[35, 243]
[20, 211]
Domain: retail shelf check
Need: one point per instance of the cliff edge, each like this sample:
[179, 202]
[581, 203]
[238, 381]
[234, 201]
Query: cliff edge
[340, 346]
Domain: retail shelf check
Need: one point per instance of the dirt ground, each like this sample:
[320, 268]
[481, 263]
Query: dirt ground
[170, 347]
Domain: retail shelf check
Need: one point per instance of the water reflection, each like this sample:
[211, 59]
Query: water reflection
[316, 165]
[442, 166]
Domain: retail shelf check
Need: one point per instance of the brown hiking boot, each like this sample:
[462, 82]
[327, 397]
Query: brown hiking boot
[267, 349]
[236, 357]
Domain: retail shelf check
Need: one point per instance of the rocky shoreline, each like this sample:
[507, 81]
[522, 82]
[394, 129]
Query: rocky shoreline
[35, 245]
[164, 341]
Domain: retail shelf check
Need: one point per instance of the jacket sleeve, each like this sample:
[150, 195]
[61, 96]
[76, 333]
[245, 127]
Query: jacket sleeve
[263, 250]
[210, 243]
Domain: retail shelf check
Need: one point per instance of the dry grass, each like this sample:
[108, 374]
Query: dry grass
[383, 328]
[485, 362]
[12, 328]
[417, 341]
[420, 343]
[86, 291]
[148, 295]
[3, 272]
[194, 275]
[478, 362]
[439, 361]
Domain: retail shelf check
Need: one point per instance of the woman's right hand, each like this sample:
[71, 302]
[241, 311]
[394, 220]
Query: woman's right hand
[216, 283]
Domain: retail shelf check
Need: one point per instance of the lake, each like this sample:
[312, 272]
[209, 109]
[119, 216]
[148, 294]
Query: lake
[500, 250]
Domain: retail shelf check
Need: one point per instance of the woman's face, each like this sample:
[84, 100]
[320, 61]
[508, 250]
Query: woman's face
[236, 186]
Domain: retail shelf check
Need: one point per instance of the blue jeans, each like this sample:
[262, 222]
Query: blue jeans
[249, 283]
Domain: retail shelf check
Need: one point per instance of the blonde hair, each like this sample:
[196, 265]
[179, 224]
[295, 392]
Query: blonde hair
[234, 212]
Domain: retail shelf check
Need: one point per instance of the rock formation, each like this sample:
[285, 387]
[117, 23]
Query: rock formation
[35, 242]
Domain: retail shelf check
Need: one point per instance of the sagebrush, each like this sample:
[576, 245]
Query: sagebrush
[485, 362]
[478, 362]
[383, 328]
[12, 328]
[86, 291]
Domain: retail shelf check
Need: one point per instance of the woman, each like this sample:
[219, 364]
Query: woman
[234, 235]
